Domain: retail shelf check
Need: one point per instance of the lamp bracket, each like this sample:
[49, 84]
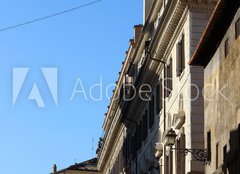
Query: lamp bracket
[198, 154]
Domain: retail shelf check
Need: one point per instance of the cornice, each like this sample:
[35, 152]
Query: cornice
[125, 67]
[110, 139]
[201, 5]
[168, 28]
[176, 33]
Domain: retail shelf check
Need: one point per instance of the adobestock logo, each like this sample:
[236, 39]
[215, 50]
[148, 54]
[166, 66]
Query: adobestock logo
[99, 91]
[51, 77]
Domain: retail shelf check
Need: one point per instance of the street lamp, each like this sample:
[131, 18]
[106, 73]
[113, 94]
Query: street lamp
[198, 154]
[170, 138]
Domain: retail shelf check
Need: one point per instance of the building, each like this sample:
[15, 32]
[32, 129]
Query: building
[155, 120]
[219, 53]
[86, 167]
[155, 96]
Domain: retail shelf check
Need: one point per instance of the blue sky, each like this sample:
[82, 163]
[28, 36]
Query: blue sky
[87, 44]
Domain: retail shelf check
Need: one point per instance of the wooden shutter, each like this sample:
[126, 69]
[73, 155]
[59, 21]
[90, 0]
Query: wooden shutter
[165, 82]
[170, 75]
[209, 145]
[145, 126]
[161, 94]
[178, 59]
[226, 47]
[237, 28]
[182, 53]
[157, 98]
[151, 112]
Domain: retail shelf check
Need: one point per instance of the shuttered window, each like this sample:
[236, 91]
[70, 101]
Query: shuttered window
[237, 28]
[170, 75]
[133, 146]
[217, 149]
[161, 94]
[180, 57]
[168, 79]
[180, 157]
[165, 83]
[159, 97]
[144, 126]
[151, 112]
[209, 145]
[225, 159]
[226, 47]
[139, 136]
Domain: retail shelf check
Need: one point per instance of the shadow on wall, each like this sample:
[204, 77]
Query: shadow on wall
[232, 157]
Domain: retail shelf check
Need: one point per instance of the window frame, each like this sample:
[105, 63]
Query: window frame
[226, 47]
[180, 56]
[209, 149]
[237, 28]
[168, 82]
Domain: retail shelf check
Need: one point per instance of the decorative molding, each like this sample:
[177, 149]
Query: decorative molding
[178, 120]
[201, 5]
[158, 150]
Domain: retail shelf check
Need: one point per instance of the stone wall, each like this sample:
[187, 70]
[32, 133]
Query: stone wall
[222, 104]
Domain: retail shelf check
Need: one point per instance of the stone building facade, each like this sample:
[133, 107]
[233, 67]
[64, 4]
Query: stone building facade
[219, 53]
[157, 74]
[158, 94]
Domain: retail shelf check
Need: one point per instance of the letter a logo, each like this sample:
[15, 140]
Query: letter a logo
[51, 77]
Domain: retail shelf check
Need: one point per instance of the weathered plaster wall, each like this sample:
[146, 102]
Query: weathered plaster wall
[222, 98]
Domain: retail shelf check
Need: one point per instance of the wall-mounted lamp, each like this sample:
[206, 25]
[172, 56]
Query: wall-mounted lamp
[170, 138]
[198, 154]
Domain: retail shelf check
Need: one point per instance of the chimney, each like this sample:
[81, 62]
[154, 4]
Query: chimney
[54, 168]
[137, 32]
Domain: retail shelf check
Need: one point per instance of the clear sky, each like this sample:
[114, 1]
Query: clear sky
[86, 44]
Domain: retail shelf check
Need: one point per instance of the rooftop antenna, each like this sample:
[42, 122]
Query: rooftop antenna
[92, 146]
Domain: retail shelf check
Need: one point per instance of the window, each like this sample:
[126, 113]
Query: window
[161, 94]
[180, 157]
[144, 126]
[127, 148]
[139, 136]
[171, 162]
[226, 47]
[170, 75]
[237, 28]
[225, 159]
[166, 167]
[159, 97]
[239, 136]
[209, 145]
[180, 56]
[168, 79]
[217, 148]
[151, 112]
[133, 146]
[141, 133]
